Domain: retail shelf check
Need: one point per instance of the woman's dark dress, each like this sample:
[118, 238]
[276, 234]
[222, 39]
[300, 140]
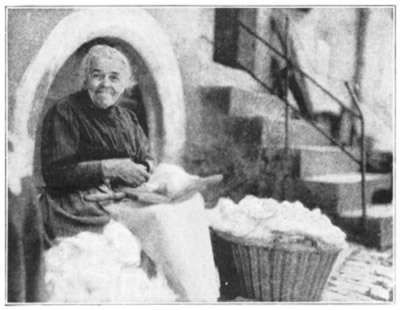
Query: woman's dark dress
[76, 136]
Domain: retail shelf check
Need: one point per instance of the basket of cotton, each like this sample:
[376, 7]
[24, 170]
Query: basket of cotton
[282, 251]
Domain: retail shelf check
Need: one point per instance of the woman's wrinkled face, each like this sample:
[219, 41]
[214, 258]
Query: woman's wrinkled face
[106, 81]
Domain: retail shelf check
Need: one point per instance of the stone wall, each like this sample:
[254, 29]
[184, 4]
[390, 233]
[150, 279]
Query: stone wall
[27, 30]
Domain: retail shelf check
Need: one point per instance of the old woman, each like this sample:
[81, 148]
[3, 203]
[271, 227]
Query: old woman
[92, 146]
[89, 145]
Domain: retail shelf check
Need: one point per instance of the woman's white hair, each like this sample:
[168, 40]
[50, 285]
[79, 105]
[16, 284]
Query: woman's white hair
[104, 51]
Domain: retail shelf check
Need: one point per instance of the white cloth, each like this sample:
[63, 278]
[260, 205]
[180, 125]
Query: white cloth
[176, 237]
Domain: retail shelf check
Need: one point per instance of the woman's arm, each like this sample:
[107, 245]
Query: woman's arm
[80, 175]
[91, 173]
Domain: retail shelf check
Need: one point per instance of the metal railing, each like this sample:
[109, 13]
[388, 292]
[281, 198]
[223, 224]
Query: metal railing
[290, 64]
[356, 103]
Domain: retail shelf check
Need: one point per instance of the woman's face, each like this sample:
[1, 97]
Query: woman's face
[106, 81]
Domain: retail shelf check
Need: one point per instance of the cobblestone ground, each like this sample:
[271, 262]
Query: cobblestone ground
[364, 276]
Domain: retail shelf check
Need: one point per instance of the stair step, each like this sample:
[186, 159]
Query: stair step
[380, 161]
[245, 103]
[302, 133]
[239, 105]
[319, 160]
[271, 132]
[348, 178]
[373, 211]
[336, 194]
[245, 130]
[235, 101]
[379, 226]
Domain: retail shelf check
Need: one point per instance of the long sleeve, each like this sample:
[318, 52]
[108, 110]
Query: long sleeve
[59, 151]
[143, 154]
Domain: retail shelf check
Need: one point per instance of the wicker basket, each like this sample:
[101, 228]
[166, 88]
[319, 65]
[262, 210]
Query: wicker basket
[282, 274]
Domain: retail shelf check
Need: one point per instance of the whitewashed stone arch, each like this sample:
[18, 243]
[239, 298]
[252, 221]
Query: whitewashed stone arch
[164, 101]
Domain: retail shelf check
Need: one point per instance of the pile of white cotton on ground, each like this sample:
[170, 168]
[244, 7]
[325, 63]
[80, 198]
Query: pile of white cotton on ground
[102, 268]
[262, 219]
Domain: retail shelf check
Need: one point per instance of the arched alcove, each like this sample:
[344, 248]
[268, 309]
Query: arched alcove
[140, 37]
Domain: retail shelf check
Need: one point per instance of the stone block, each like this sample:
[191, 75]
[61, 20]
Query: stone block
[302, 133]
[379, 161]
[357, 297]
[270, 133]
[379, 226]
[344, 287]
[329, 296]
[384, 282]
[299, 133]
[234, 101]
[348, 296]
[386, 272]
[336, 194]
[319, 160]
[245, 130]
[379, 293]
[251, 104]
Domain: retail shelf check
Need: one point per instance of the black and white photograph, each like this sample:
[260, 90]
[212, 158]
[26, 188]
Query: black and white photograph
[209, 154]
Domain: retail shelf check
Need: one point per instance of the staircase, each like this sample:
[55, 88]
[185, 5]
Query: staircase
[335, 188]
[280, 151]
[317, 173]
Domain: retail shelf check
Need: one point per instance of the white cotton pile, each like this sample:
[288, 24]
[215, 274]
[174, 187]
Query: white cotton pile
[261, 218]
[168, 179]
[102, 268]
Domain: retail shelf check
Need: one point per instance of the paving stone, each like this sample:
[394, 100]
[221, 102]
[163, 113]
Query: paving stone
[384, 283]
[350, 266]
[365, 286]
[354, 264]
[338, 290]
[333, 296]
[347, 297]
[372, 281]
[355, 269]
[380, 256]
[387, 264]
[383, 271]
[360, 277]
[359, 261]
[379, 293]
[357, 297]
[343, 287]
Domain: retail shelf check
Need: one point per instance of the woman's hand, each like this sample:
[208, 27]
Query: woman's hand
[124, 170]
